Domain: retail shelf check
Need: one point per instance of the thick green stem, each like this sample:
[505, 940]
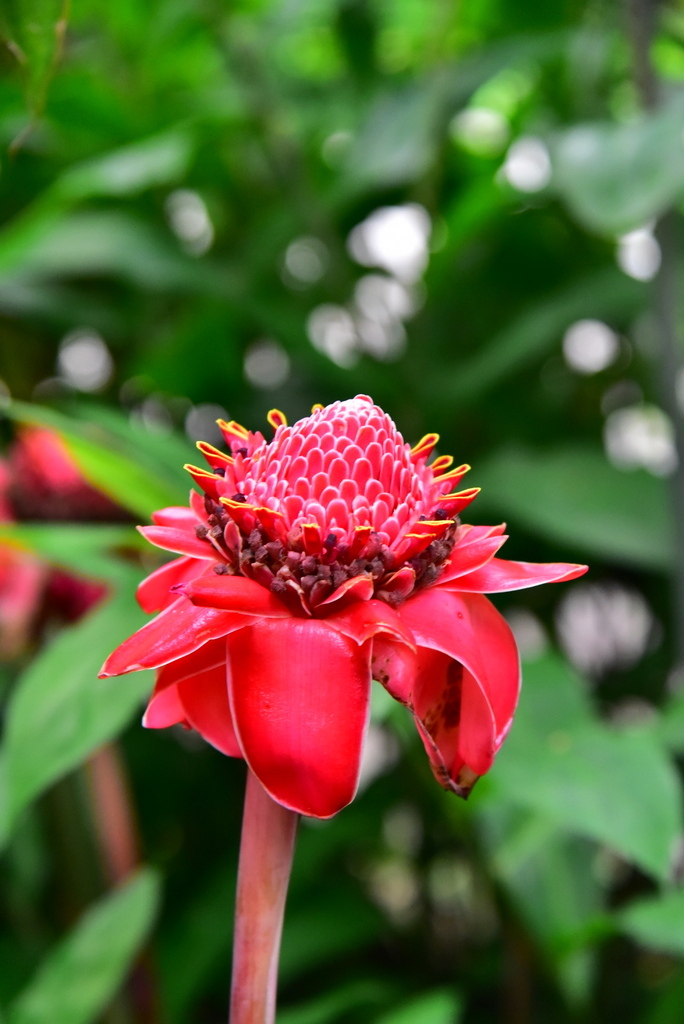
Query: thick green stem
[266, 850]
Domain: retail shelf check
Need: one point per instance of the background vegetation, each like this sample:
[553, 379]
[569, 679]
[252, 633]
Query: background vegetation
[469, 211]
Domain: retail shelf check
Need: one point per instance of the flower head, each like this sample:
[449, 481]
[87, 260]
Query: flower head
[313, 563]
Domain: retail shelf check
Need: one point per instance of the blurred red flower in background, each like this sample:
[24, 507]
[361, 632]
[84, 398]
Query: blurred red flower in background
[330, 556]
[40, 481]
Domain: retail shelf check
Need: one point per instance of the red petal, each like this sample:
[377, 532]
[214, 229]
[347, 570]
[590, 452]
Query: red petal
[437, 706]
[235, 594]
[207, 481]
[394, 665]
[205, 699]
[358, 588]
[365, 619]
[204, 658]
[179, 516]
[174, 633]
[164, 709]
[499, 575]
[154, 593]
[400, 584]
[194, 690]
[299, 693]
[22, 580]
[469, 629]
[456, 721]
[182, 542]
[455, 503]
[471, 555]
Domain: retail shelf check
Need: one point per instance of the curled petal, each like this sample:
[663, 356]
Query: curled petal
[499, 575]
[399, 584]
[205, 700]
[455, 503]
[367, 619]
[358, 588]
[209, 482]
[164, 709]
[470, 631]
[394, 666]
[235, 594]
[154, 593]
[176, 632]
[180, 541]
[454, 719]
[299, 694]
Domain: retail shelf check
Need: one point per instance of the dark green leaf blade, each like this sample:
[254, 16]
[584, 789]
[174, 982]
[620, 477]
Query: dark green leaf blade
[80, 976]
[60, 712]
[618, 787]
[573, 495]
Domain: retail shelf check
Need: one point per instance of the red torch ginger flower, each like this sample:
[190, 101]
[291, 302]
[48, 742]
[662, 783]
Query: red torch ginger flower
[40, 481]
[316, 562]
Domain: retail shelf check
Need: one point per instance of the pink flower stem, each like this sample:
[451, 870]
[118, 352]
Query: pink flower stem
[113, 813]
[266, 851]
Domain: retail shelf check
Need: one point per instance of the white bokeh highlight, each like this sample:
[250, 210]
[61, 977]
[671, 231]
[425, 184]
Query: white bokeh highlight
[604, 627]
[84, 361]
[189, 220]
[590, 346]
[528, 630]
[266, 364]
[332, 331]
[306, 261]
[394, 238]
[527, 166]
[480, 130]
[638, 254]
[200, 422]
[640, 437]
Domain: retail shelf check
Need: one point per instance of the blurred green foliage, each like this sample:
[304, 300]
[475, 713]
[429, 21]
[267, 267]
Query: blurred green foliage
[184, 182]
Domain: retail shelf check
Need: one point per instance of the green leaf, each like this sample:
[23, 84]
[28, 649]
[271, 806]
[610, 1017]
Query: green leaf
[82, 974]
[398, 141]
[308, 939]
[547, 871]
[658, 922]
[573, 495]
[83, 549]
[618, 177]
[669, 726]
[34, 32]
[59, 711]
[440, 1007]
[96, 243]
[357, 996]
[606, 294]
[549, 875]
[144, 164]
[120, 467]
[197, 944]
[619, 788]
[201, 938]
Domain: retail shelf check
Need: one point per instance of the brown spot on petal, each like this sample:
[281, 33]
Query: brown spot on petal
[451, 708]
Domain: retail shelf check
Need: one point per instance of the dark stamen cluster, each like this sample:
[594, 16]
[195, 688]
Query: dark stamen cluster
[277, 565]
[429, 563]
